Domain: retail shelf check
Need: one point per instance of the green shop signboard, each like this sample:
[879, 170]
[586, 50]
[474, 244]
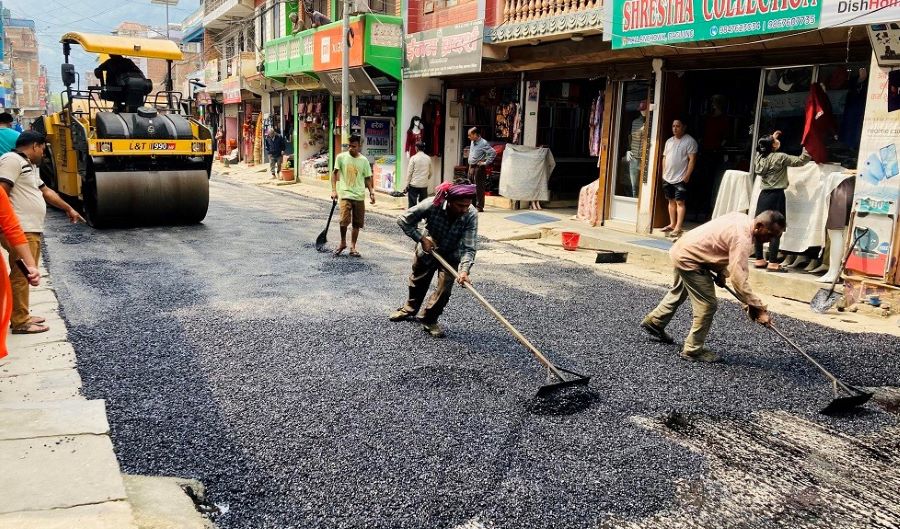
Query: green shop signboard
[657, 22]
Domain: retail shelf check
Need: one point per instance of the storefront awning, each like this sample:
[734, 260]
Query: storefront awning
[360, 82]
[376, 41]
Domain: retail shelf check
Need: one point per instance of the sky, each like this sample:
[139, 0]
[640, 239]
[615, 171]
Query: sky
[55, 17]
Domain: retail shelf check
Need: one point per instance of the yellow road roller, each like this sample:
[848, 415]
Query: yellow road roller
[130, 156]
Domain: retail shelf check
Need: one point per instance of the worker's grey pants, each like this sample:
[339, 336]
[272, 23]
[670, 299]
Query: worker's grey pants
[700, 288]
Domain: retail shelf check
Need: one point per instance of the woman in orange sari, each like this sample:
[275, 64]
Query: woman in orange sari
[9, 225]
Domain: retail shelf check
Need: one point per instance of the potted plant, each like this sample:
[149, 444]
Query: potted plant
[287, 169]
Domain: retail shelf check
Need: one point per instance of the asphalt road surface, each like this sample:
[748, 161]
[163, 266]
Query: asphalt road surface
[234, 353]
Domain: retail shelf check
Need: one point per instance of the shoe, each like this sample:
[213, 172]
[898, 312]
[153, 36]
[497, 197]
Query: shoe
[434, 329]
[400, 315]
[674, 234]
[703, 355]
[760, 263]
[667, 229]
[656, 331]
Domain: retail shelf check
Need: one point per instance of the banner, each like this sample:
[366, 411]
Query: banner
[657, 22]
[858, 12]
[448, 50]
[329, 50]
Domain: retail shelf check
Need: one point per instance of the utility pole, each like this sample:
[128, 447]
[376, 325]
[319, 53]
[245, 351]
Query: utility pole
[345, 77]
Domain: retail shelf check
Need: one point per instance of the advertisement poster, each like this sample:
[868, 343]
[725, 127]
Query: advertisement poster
[878, 177]
[448, 50]
[655, 22]
[885, 39]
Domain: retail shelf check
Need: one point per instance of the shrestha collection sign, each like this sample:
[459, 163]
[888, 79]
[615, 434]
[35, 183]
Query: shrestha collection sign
[654, 22]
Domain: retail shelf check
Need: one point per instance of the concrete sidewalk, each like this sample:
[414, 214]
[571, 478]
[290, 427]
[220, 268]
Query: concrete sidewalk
[648, 258]
[58, 469]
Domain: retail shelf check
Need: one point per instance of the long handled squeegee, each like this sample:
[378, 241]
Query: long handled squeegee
[839, 404]
[557, 377]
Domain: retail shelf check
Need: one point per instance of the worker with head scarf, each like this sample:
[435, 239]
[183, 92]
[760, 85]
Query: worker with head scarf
[451, 228]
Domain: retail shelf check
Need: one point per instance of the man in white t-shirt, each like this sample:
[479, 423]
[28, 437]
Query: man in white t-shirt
[679, 159]
[21, 179]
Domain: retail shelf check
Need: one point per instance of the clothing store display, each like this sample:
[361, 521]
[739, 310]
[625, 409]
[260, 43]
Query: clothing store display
[807, 207]
[841, 202]
[835, 254]
[854, 112]
[734, 193]
[414, 135]
[819, 124]
[587, 203]
[525, 172]
[596, 124]
[433, 133]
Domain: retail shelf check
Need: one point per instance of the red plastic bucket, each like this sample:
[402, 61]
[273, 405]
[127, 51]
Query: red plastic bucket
[570, 240]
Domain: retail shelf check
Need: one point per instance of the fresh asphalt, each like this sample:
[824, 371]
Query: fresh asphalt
[234, 353]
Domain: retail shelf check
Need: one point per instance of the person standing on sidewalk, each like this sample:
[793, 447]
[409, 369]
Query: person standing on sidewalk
[275, 150]
[679, 159]
[771, 166]
[451, 226]
[8, 135]
[351, 177]
[418, 174]
[15, 238]
[481, 154]
[723, 246]
[20, 178]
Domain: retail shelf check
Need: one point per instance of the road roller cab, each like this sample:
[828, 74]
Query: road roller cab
[130, 156]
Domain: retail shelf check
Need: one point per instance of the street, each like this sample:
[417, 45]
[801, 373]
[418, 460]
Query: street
[234, 353]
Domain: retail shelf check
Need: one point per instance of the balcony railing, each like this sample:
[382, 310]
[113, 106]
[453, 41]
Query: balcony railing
[530, 20]
[517, 11]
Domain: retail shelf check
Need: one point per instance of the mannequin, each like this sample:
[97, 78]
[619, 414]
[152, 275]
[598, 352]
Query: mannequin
[836, 242]
[413, 135]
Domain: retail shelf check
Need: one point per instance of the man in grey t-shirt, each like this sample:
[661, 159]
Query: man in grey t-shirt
[20, 178]
[679, 158]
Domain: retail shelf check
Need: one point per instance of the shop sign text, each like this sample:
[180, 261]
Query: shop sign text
[659, 22]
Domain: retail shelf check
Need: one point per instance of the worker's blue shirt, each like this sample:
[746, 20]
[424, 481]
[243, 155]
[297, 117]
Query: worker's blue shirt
[8, 139]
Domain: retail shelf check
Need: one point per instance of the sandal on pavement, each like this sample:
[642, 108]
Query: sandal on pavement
[674, 234]
[667, 229]
[777, 268]
[37, 319]
[339, 250]
[31, 328]
[354, 253]
[760, 263]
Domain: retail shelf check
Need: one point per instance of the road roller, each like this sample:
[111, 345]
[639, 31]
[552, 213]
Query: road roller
[129, 156]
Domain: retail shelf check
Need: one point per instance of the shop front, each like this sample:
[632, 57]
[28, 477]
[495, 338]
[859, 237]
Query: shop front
[375, 90]
[302, 111]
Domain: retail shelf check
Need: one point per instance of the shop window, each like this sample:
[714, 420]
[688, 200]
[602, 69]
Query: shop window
[788, 91]
[633, 139]
[785, 91]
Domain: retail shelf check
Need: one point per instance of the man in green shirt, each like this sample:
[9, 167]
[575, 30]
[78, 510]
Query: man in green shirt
[351, 177]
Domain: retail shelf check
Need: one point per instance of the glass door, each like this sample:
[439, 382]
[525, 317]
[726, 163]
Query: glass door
[631, 149]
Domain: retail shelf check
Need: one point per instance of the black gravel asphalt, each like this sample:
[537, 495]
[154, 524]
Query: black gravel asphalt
[234, 353]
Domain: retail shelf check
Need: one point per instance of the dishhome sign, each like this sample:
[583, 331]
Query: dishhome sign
[659, 22]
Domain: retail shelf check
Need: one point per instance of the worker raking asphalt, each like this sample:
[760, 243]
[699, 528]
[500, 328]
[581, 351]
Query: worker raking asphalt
[234, 353]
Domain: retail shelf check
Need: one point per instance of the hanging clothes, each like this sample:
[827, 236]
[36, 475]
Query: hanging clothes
[819, 125]
[854, 112]
[434, 127]
[596, 125]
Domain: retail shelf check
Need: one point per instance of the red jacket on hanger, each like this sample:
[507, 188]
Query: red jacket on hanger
[819, 125]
